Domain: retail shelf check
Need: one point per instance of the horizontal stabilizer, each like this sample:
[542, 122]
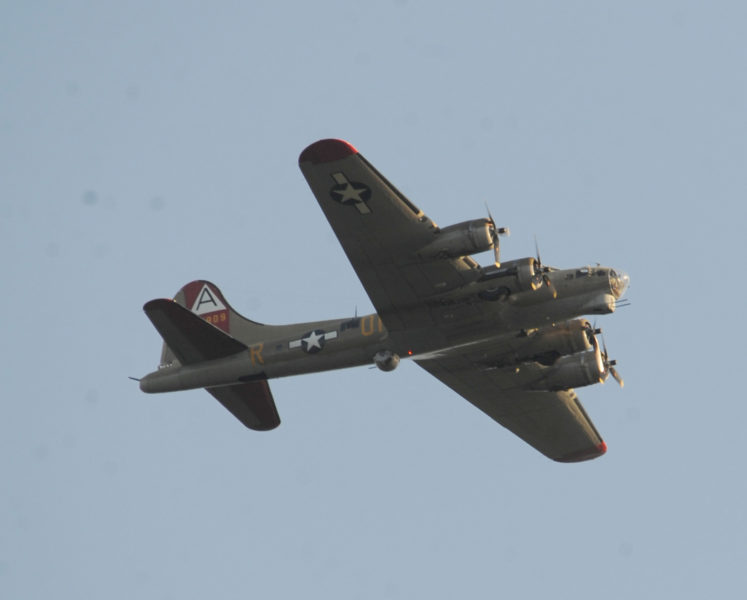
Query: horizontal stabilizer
[251, 403]
[190, 338]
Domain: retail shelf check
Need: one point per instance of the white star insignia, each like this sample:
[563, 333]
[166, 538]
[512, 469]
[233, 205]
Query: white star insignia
[313, 340]
[350, 193]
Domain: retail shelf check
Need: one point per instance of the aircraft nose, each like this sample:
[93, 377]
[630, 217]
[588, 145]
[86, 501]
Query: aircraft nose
[620, 282]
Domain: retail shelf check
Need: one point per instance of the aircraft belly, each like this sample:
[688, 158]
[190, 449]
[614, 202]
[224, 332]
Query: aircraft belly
[221, 371]
[311, 364]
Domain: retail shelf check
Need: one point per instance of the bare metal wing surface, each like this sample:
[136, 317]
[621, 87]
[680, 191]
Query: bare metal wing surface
[507, 336]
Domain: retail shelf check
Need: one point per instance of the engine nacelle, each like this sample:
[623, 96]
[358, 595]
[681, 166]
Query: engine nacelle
[526, 274]
[547, 345]
[386, 360]
[576, 370]
[461, 239]
[515, 280]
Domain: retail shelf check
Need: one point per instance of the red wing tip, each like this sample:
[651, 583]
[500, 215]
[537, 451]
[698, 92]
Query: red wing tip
[585, 454]
[326, 151]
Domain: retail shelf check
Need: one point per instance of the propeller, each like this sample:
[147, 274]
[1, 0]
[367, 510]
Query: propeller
[609, 365]
[539, 270]
[537, 250]
[494, 233]
[592, 331]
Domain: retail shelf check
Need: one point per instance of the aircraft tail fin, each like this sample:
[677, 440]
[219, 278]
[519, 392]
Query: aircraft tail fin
[196, 327]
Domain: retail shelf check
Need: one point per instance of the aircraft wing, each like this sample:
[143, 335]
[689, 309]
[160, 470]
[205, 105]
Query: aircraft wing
[554, 423]
[381, 232]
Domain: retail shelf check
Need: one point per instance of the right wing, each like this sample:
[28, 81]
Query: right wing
[553, 422]
[381, 232]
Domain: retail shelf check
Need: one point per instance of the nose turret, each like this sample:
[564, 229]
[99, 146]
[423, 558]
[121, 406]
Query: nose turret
[619, 282]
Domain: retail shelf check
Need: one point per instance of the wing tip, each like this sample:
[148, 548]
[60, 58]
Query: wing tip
[157, 303]
[327, 150]
[589, 453]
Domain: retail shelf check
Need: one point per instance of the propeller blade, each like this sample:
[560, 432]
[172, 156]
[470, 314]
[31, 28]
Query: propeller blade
[540, 275]
[549, 284]
[537, 250]
[495, 232]
[490, 215]
[609, 365]
[617, 376]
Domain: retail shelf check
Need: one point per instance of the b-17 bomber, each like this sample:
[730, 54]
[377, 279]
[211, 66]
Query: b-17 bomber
[509, 337]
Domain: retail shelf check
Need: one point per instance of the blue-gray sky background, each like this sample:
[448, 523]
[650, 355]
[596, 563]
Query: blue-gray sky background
[146, 144]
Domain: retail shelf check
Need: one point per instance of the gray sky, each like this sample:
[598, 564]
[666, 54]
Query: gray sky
[144, 145]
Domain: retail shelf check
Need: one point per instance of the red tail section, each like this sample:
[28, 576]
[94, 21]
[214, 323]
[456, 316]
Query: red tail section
[206, 300]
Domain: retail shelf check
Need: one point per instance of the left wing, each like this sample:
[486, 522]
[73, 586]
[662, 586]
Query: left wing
[554, 423]
[381, 232]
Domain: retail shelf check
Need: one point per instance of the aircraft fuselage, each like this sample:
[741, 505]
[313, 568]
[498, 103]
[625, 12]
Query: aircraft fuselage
[472, 315]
